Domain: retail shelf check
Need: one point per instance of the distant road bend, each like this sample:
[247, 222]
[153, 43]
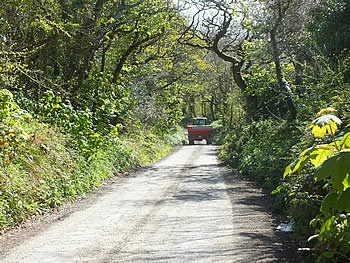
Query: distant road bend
[184, 208]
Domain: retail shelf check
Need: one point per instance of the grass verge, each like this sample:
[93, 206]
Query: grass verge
[45, 172]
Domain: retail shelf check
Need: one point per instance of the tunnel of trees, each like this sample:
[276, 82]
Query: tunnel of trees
[84, 81]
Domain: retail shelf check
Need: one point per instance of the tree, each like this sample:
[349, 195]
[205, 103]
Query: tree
[222, 27]
[329, 28]
[283, 24]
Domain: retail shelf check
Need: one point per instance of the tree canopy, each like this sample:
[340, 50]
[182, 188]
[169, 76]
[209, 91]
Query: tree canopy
[98, 69]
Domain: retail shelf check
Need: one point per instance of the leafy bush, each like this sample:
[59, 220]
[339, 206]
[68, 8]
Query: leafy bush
[260, 150]
[39, 178]
[12, 119]
[218, 130]
[43, 170]
[47, 173]
[77, 123]
[325, 85]
[330, 168]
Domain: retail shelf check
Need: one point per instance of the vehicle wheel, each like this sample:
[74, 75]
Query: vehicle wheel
[209, 142]
[191, 142]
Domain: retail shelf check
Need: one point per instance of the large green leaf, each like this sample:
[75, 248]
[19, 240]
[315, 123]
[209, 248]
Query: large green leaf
[297, 165]
[317, 154]
[344, 201]
[337, 168]
[322, 153]
[326, 226]
[329, 202]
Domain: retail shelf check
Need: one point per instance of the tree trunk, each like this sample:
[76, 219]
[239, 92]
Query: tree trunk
[291, 111]
[212, 111]
[252, 102]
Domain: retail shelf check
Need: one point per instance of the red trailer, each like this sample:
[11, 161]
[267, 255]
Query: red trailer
[200, 130]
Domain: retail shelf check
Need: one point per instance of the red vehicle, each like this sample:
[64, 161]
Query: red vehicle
[200, 130]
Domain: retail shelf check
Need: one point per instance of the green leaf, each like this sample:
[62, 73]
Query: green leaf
[344, 201]
[329, 202]
[327, 225]
[317, 155]
[337, 168]
[328, 254]
[287, 171]
[297, 165]
[322, 153]
[307, 151]
[345, 141]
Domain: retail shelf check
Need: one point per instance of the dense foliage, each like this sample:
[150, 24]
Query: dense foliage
[82, 82]
[295, 69]
[331, 162]
[41, 168]
[87, 89]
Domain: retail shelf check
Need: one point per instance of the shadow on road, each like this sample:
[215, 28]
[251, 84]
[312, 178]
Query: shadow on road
[256, 206]
[183, 209]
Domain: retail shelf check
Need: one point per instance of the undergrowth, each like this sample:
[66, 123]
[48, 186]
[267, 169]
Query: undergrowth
[41, 169]
[260, 150]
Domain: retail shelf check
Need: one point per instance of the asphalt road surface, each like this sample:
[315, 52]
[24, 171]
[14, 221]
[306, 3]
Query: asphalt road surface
[185, 208]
